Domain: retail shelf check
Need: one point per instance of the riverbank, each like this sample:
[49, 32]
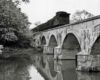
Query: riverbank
[18, 52]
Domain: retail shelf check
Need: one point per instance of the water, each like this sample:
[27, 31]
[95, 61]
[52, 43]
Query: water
[42, 67]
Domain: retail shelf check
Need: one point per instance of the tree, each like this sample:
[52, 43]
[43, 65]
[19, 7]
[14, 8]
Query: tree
[80, 15]
[23, 0]
[13, 23]
[17, 2]
[37, 23]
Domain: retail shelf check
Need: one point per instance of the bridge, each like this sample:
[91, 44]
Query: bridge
[79, 41]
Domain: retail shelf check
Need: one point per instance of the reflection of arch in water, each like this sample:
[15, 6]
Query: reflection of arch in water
[45, 72]
[96, 47]
[51, 66]
[68, 70]
[70, 46]
[42, 62]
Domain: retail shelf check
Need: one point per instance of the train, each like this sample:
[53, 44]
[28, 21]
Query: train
[61, 18]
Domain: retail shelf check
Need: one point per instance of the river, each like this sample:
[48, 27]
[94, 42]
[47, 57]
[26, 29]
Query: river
[42, 67]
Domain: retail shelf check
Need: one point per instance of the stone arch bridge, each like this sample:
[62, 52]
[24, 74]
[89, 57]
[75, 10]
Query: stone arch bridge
[66, 41]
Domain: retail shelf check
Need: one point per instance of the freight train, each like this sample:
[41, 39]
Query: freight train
[59, 19]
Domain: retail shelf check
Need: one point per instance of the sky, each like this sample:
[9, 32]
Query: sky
[43, 10]
[34, 74]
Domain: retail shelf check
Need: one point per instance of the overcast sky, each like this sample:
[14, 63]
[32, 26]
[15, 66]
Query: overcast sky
[43, 10]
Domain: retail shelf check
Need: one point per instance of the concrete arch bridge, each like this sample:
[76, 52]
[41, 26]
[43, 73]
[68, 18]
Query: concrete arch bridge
[66, 41]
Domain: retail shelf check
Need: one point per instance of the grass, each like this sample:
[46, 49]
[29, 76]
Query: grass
[18, 52]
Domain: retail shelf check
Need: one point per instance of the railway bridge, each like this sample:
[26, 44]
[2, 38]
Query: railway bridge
[79, 41]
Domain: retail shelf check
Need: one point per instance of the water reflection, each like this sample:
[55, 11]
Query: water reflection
[63, 70]
[67, 69]
[14, 70]
[34, 74]
[42, 67]
[18, 69]
[88, 76]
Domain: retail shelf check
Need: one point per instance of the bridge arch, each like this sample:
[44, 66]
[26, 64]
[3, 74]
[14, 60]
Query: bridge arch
[70, 46]
[43, 41]
[52, 41]
[95, 49]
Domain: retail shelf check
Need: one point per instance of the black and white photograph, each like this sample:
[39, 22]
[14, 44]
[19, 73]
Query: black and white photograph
[49, 40]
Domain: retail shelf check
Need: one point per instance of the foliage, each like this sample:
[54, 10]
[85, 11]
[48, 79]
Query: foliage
[25, 38]
[37, 23]
[17, 2]
[80, 15]
[13, 23]
[26, 1]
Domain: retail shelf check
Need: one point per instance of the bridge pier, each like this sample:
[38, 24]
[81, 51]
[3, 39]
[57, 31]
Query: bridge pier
[48, 50]
[57, 53]
[87, 62]
[60, 53]
[84, 61]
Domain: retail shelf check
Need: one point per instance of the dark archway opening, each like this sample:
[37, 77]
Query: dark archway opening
[95, 50]
[52, 43]
[70, 47]
[43, 41]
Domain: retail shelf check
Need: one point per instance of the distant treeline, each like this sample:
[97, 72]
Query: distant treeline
[61, 18]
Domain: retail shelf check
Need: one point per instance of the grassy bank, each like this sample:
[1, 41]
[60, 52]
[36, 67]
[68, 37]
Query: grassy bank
[18, 52]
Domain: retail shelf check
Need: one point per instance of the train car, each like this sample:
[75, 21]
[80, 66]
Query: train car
[60, 18]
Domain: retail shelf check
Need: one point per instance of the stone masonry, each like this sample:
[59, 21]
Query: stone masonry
[81, 39]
